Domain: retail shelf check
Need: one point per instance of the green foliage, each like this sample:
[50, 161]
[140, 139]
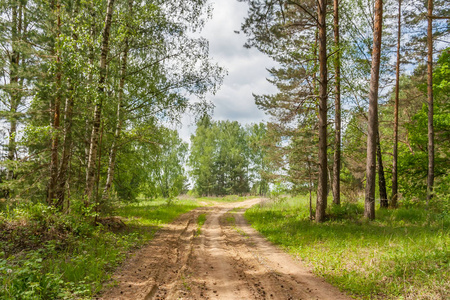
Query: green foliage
[404, 253]
[45, 254]
[167, 172]
[225, 158]
[441, 75]
[413, 130]
[279, 192]
[29, 281]
[354, 151]
[259, 166]
[346, 211]
[154, 67]
[413, 158]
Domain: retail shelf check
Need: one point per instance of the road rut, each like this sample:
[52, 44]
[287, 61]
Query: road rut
[227, 260]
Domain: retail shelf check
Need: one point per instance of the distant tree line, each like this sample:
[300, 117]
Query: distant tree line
[228, 159]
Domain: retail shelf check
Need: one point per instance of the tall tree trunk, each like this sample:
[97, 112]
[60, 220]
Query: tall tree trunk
[381, 179]
[97, 177]
[337, 114]
[12, 144]
[90, 176]
[430, 177]
[397, 91]
[87, 131]
[63, 173]
[52, 188]
[66, 151]
[14, 84]
[369, 206]
[310, 190]
[323, 81]
[112, 154]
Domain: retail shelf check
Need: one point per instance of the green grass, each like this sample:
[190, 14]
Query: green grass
[154, 212]
[200, 221]
[50, 255]
[404, 254]
[230, 220]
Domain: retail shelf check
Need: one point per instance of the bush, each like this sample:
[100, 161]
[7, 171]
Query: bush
[349, 211]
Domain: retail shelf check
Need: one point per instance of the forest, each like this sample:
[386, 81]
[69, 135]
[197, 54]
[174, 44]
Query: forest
[355, 145]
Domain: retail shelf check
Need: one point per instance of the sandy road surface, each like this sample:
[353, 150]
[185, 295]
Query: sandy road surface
[227, 260]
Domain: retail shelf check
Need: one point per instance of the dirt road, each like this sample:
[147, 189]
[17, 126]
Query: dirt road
[226, 260]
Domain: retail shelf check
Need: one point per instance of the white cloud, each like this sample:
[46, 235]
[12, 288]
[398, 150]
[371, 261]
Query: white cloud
[246, 68]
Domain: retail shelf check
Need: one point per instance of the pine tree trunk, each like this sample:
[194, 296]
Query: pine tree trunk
[381, 179]
[430, 177]
[397, 92]
[369, 206]
[90, 175]
[323, 81]
[310, 190]
[337, 113]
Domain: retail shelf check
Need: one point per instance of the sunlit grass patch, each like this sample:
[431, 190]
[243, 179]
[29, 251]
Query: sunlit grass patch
[404, 253]
[155, 212]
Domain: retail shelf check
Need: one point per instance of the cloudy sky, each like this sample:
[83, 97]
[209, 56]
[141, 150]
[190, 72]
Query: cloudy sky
[246, 67]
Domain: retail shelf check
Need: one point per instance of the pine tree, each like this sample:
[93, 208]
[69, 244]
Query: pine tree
[394, 199]
[369, 207]
[337, 109]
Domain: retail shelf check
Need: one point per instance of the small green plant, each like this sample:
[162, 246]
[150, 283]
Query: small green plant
[28, 279]
[231, 221]
[200, 221]
[185, 283]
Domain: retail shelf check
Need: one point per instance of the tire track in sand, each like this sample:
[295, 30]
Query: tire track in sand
[228, 260]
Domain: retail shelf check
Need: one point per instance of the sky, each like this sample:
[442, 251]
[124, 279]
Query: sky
[246, 68]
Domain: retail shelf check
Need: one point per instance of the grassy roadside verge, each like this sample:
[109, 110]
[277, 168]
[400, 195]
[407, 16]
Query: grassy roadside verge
[404, 254]
[48, 255]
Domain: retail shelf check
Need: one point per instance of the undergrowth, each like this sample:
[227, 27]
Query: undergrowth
[46, 254]
[403, 254]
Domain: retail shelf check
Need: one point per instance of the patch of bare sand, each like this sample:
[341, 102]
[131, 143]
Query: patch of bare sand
[228, 260]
